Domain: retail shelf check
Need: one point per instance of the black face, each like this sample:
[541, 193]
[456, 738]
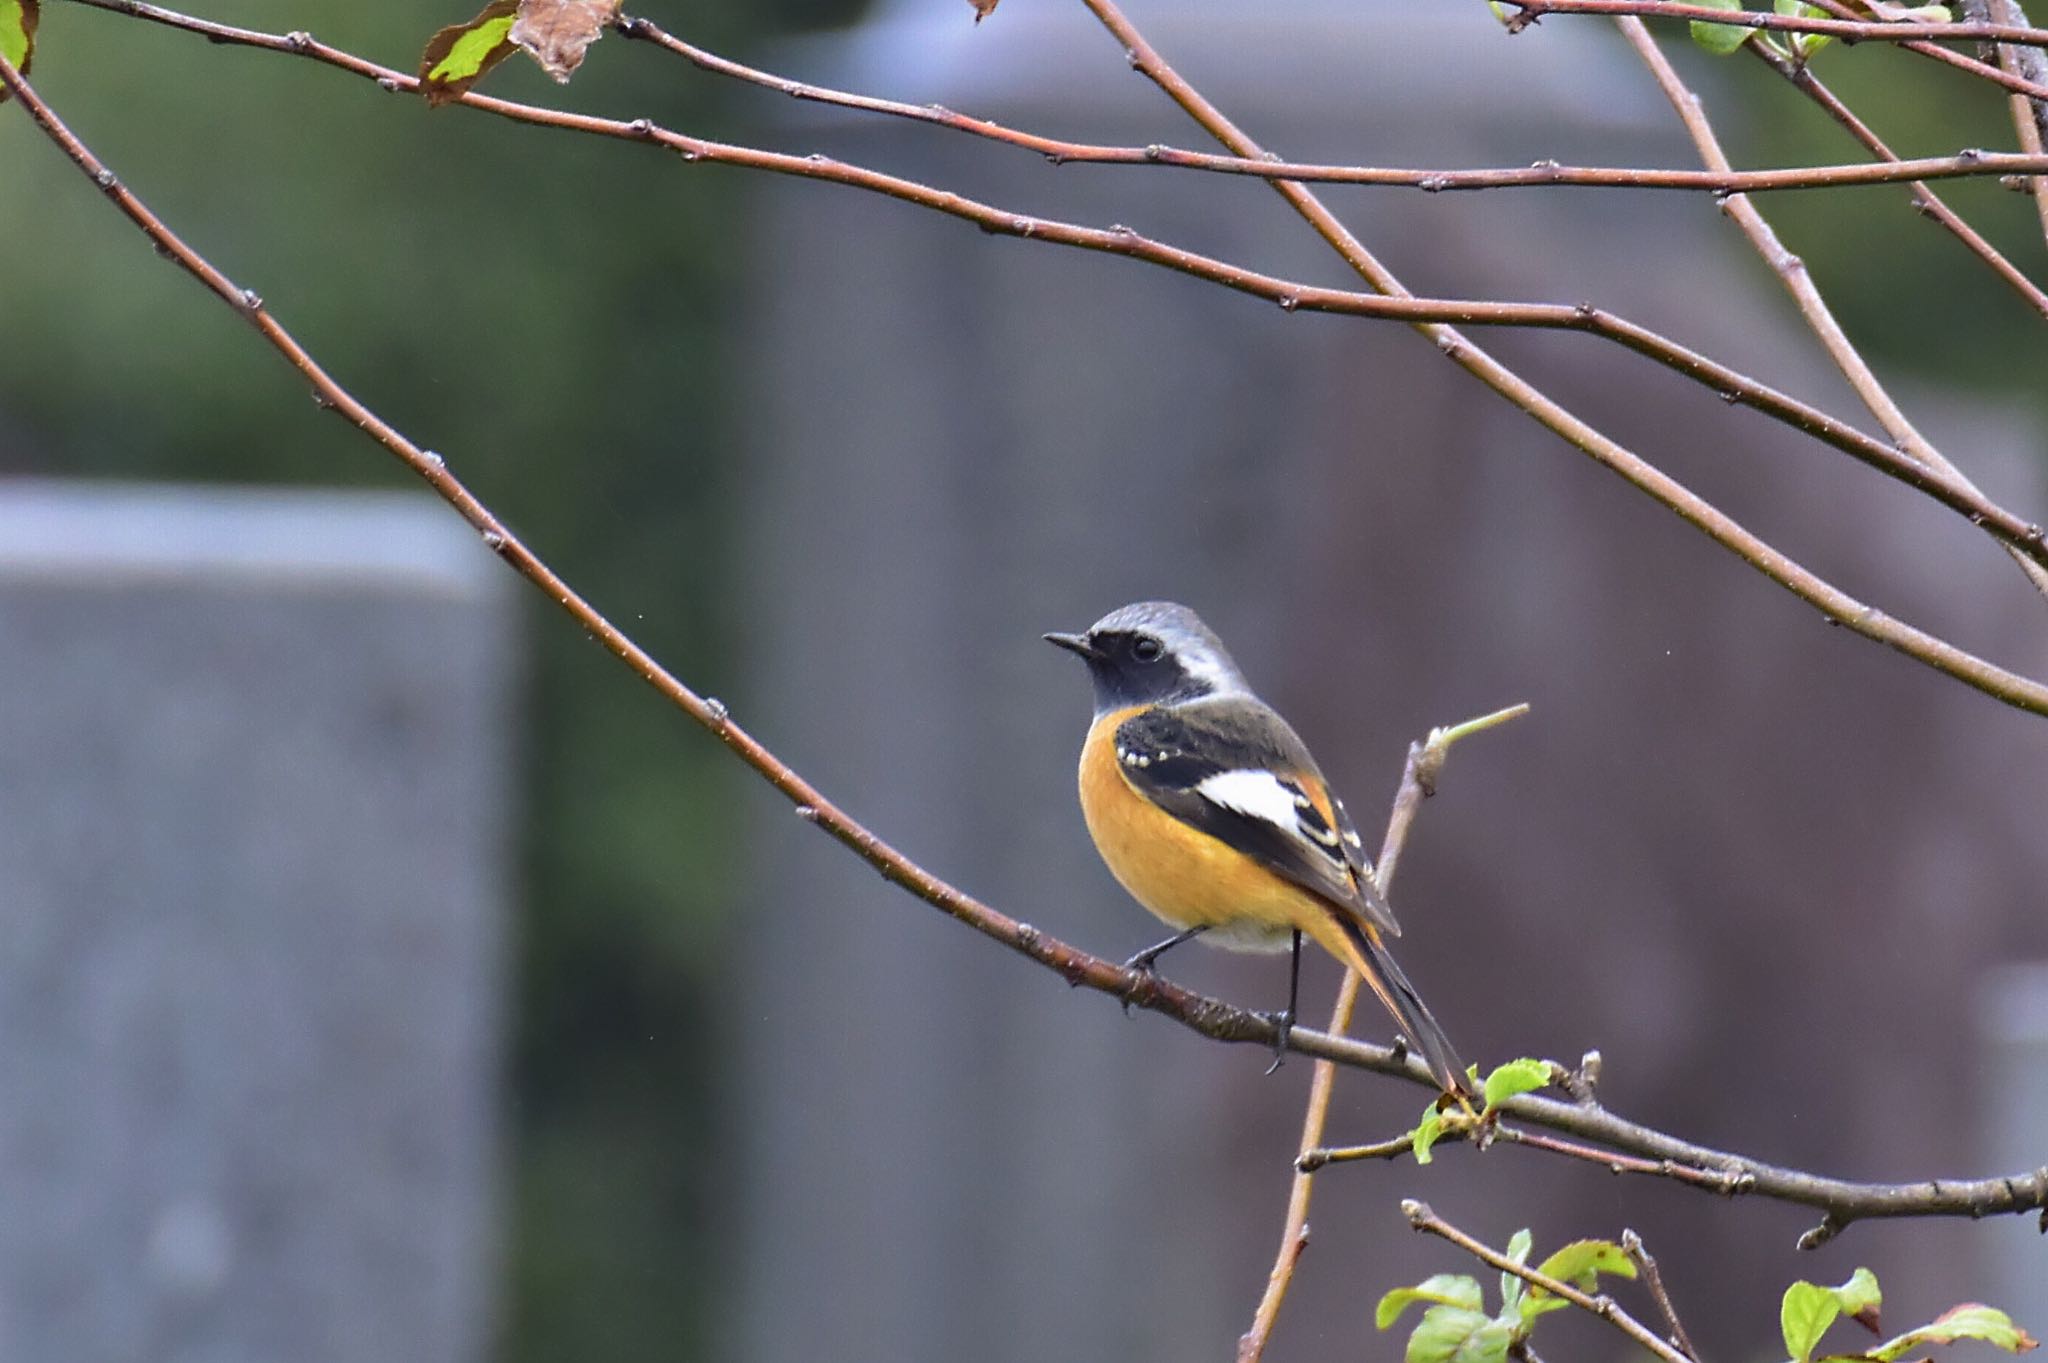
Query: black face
[1130, 667]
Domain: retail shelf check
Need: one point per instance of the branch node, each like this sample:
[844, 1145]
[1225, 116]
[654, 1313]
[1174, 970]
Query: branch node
[1830, 1226]
[389, 85]
[434, 458]
[494, 541]
[1155, 151]
[630, 25]
[716, 711]
[252, 301]
[1417, 1212]
[1288, 302]
[106, 179]
[808, 813]
[299, 41]
[1432, 184]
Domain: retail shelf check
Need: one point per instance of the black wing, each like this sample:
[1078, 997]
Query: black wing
[1233, 768]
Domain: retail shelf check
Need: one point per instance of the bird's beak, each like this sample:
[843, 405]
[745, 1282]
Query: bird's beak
[1073, 643]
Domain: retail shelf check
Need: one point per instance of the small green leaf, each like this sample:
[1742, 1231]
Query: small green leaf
[459, 55]
[1804, 45]
[1971, 1320]
[1860, 1298]
[1500, 11]
[1721, 39]
[1431, 1127]
[1805, 1315]
[18, 34]
[1442, 1289]
[1579, 1263]
[1511, 1286]
[1517, 1076]
[1457, 1334]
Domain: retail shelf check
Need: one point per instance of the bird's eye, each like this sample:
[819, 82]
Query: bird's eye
[1147, 650]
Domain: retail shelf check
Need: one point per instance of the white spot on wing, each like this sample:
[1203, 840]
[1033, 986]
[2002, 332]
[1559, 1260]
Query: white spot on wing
[1254, 794]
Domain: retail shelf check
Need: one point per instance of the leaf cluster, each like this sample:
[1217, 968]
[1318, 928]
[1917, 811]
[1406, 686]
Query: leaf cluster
[1723, 39]
[1455, 1327]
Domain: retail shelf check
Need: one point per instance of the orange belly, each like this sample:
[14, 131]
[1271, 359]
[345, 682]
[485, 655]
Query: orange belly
[1185, 877]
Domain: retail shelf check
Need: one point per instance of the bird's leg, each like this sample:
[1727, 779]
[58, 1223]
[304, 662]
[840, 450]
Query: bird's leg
[1143, 961]
[1285, 1021]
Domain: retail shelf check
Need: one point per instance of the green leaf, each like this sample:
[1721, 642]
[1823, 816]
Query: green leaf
[18, 34]
[1971, 1320]
[1517, 1076]
[458, 56]
[1721, 39]
[1425, 1136]
[1457, 1334]
[1805, 1315]
[1442, 1289]
[1804, 45]
[1511, 1286]
[1579, 1263]
[1860, 1298]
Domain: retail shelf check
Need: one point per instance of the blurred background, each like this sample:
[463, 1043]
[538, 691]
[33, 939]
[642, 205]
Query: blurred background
[392, 976]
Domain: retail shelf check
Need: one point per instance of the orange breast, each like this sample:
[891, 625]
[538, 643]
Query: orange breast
[1184, 876]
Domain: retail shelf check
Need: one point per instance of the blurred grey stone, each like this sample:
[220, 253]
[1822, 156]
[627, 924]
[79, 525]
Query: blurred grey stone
[253, 805]
[1760, 864]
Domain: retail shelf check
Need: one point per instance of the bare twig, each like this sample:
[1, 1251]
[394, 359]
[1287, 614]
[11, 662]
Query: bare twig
[2029, 116]
[1639, 472]
[1966, 164]
[1418, 781]
[1850, 30]
[1428, 315]
[1423, 1219]
[1801, 76]
[1793, 274]
[1843, 1202]
[1969, 66]
[1633, 1246]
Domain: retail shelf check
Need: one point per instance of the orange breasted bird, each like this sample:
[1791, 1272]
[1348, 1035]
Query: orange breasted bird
[1207, 807]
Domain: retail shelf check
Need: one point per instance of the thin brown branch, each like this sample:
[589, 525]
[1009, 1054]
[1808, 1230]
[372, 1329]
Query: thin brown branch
[1843, 1202]
[1849, 30]
[1793, 274]
[1633, 1246]
[1969, 66]
[1639, 472]
[1287, 294]
[1605, 1307]
[1308, 1161]
[1965, 164]
[2029, 116]
[1427, 314]
[1418, 782]
[1801, 76]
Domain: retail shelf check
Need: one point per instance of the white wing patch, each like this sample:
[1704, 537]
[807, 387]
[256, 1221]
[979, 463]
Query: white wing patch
[1256, 795]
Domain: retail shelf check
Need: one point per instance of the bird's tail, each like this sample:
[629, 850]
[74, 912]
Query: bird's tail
[1362, 951]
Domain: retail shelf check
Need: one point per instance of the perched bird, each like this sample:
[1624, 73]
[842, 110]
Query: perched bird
[1208, 808]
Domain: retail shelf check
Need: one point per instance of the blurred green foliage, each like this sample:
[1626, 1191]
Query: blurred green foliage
[553, 313]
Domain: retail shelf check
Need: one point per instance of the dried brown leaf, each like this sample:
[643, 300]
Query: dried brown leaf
[556, 33]
[458, 56]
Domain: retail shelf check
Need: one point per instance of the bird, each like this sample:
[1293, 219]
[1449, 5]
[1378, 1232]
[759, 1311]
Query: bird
[1208, 808]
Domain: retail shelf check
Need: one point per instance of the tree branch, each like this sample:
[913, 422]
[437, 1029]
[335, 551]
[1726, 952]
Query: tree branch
[1427, 314]
[1793, 274]
[1843, 1202]
[1639, 472]
[1849, 30]
[1418, 782]
[1633, 1246]
[1965, 164]
[1423, 1219]
[1801, 76]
